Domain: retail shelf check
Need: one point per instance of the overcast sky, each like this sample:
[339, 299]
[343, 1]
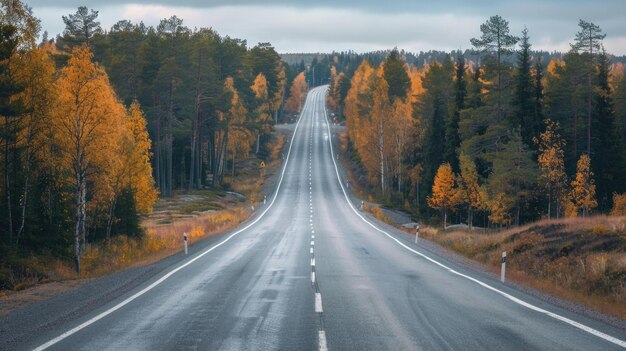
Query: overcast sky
[361, 25]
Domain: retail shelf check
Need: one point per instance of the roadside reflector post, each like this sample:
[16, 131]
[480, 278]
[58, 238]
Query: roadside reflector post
[185, 239]
[502, 272]
[264, 199]
[362, 204]
[417, 233]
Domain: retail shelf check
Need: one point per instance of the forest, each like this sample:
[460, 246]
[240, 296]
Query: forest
[495, 136]
[98, 123]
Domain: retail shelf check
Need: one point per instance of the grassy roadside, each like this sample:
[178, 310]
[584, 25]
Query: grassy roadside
[580, 260]
[576, 259]
[199, 213]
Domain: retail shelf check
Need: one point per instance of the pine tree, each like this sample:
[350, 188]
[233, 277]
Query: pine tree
[588, 41]
[81, 27]
[496, 41]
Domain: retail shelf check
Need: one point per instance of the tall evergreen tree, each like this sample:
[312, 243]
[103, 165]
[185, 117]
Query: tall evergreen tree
[396, 76]
[523, 99]
[10, 110]
[474, 90]
[608, 152]
[453, 140]
[81, 27]
[496, 41]
[588, 41]
[538, 92]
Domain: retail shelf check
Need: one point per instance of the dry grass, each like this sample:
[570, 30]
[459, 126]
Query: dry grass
[161, 240]
[580, 259]
[377, 212]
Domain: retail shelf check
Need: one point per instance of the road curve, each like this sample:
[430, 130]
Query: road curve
[309, 272]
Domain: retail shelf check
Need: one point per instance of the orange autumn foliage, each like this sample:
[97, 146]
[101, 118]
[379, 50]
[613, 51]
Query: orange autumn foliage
[297, 93]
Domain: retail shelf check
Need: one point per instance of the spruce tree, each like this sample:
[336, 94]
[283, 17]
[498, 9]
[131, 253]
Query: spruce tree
[608, 152]
[453, 140]
[396, 76]
[538, 91]
[523, 99]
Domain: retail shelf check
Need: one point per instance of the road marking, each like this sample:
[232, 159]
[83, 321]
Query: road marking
[179, 268]
[318, 303]
[312, 243]
[313, 277]
[311, 251]
[321, 336]
[313, 262]
[571, 322]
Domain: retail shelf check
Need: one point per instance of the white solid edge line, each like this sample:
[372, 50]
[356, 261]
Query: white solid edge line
[172, 272]
[571, 322]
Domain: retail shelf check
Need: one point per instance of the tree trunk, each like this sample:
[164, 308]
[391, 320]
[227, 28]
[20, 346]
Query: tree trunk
[7, 181]
[110, 219]
[232, 175]
[381, 154]
[79, 226]
[169, 141]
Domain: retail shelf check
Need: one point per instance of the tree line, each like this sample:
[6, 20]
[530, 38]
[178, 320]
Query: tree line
[504, 136]
[96, 124]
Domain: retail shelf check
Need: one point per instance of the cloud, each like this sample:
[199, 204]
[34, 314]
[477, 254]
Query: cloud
[300, 27]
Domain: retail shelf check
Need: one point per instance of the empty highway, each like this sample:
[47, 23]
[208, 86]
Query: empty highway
[312, 272]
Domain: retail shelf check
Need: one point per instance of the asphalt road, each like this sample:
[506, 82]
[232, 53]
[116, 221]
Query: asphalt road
[309, 272]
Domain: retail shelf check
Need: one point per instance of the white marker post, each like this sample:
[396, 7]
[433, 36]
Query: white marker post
[417, 233]
[503, 266]
[362, 204]
[264, 199]
[185, 239]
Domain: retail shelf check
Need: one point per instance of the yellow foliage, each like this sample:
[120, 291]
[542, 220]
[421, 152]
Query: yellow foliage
[583, 194]
[135, 160]
[619, 205]
[297, 93]
[87, 128]
[500, 210]
[444, 194]
[554, 65]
